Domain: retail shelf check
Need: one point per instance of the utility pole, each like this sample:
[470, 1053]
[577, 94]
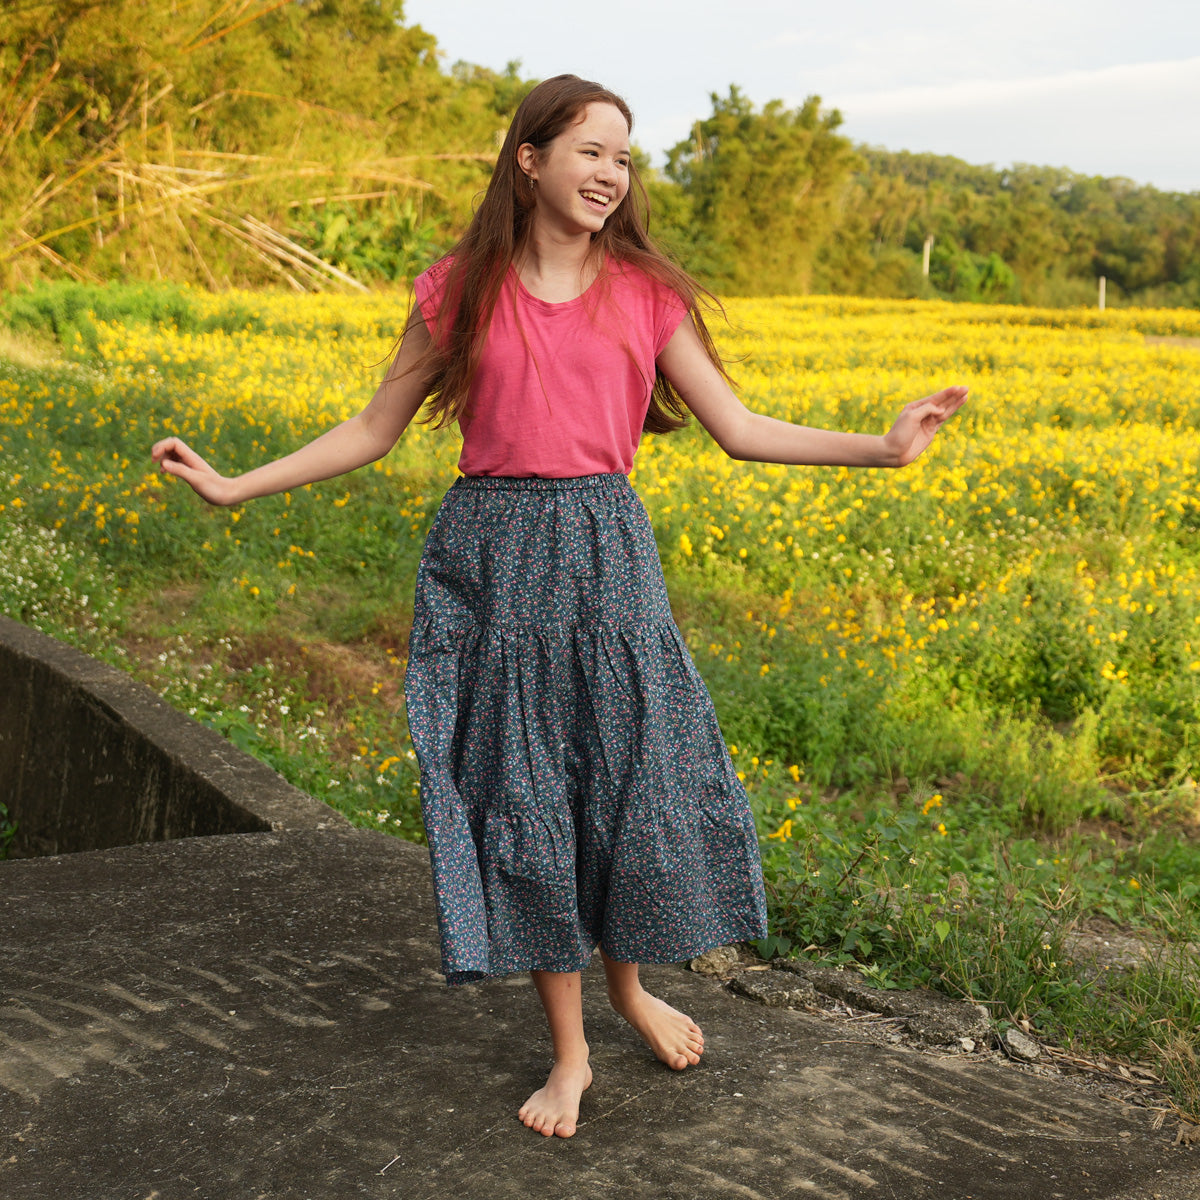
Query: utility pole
[1103, 281]
[925, 257]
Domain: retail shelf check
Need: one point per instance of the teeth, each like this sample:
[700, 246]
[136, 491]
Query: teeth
[599, 197]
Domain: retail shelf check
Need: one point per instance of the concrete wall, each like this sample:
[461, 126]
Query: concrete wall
[89, 759]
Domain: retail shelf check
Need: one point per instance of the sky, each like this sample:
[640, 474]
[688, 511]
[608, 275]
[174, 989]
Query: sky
[1103, 87]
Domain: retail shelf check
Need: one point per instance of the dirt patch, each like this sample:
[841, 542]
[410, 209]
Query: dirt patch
[389, 632]
[331, 673]
[1105, 946]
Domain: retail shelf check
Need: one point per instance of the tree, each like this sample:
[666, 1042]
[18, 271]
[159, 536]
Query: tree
[765, 185]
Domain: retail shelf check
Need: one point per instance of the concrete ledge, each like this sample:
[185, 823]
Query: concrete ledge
[90, 758]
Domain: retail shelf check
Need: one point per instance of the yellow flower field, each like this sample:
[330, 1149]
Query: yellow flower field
[1041, 560]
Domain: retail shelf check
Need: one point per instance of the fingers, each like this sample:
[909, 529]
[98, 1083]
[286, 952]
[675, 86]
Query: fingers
[950, 398]
[941, 405]
[164, 447]
[177, 458]
[173, 449]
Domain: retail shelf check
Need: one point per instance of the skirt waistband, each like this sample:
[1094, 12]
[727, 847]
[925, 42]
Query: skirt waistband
[521, 483]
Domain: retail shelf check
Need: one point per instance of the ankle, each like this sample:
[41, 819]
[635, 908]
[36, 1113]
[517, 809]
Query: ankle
[576, 1056]
[622, 981]
[624, 993]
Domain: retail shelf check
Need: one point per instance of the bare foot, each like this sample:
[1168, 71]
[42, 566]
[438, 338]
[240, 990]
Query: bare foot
[554, 1109]
[675, 1038]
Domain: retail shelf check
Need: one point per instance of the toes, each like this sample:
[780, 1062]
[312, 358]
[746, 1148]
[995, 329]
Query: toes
[532, 1119]
[565, 1129]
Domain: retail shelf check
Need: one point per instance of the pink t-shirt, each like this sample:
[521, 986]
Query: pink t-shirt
[562, 389]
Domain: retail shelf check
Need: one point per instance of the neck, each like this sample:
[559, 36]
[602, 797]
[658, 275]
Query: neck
[548, 254]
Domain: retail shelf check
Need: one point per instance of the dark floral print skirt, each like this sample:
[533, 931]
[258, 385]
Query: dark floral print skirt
[575, 786]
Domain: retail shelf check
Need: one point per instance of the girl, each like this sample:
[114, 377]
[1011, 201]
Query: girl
[575, 787]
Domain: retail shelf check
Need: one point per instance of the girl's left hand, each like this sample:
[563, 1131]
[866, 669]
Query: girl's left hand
[918, 423]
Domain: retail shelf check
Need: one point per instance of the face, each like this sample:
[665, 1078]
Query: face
[583, 175]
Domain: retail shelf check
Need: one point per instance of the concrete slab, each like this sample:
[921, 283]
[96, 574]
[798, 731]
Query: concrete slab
[91, 758]
[260, 1016]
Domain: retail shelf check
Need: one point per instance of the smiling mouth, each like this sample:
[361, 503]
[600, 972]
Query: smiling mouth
[599, 199]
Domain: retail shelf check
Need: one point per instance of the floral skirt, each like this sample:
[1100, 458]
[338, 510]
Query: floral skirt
[575, 787]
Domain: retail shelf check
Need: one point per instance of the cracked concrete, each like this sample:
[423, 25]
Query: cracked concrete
[261, 1015]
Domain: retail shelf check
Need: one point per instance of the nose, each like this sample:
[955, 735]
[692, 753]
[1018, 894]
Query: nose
[606, 170]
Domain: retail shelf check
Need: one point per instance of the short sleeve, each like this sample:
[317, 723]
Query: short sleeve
[670, 315]
[428, 289]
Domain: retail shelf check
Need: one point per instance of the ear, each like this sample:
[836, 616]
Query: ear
[527, 159]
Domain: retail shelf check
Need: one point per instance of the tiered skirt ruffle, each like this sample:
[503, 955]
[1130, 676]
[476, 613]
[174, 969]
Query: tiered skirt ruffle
[575, 786]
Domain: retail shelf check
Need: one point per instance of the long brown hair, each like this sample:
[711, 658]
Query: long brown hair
[497, 233]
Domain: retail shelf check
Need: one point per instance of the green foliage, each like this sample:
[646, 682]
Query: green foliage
[68, 311]
[763, 185]
[1036, 234]
[965, 275]
[882, 891]
[972, 912]
[226, 146]
[389, 242]
[772, 201]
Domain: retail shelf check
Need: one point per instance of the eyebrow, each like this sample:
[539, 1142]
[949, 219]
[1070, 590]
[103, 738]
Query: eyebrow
[600, 146]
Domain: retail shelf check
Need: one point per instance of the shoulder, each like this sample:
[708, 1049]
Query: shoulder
[636, 285]
[429, 292]
[646, 302]
[432, 281]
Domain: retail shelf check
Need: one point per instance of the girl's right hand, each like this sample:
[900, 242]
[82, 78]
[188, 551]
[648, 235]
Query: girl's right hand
[175, 457]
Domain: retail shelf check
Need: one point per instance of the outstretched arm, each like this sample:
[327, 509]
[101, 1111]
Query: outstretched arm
[362, 439]
[753, 437]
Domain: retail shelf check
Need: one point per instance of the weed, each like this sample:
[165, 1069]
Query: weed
[8, 831]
